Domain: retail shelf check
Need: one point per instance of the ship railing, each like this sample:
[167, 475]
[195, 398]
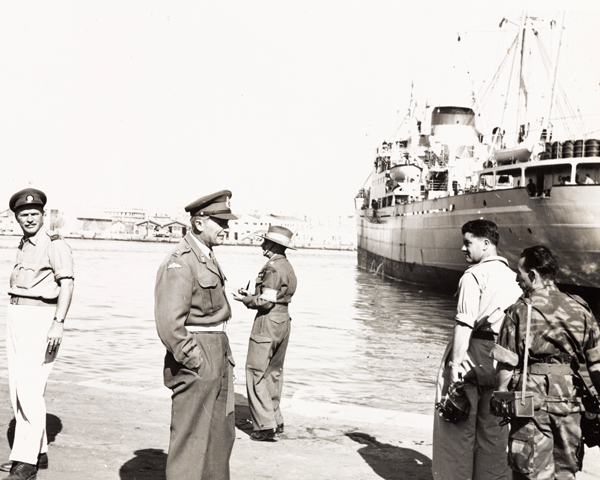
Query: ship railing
[437, 185]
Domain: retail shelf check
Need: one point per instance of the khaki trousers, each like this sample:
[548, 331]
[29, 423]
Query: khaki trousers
[264, 371]
[28, 370]
[474, 448]
[202, 413]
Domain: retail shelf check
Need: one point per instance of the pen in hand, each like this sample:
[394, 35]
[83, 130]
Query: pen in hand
[243, 291]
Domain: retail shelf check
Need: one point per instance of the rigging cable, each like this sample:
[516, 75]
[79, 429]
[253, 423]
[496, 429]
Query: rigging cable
[510, 76]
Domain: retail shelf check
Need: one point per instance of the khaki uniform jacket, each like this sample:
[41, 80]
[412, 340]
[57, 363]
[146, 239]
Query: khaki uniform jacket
[275, 285]
[190, 290]
[42, 261]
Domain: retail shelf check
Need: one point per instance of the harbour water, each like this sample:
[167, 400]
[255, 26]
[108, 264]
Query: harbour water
[357, 339]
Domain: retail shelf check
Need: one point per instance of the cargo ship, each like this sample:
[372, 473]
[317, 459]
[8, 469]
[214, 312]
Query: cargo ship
[440, 172]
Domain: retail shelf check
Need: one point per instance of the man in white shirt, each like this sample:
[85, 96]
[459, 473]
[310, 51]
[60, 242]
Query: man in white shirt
[475, 447]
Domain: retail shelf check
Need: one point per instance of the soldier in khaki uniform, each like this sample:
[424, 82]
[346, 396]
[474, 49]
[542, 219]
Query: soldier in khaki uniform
[191, 311]
[41, 288]
[275, 286]
[563, 335]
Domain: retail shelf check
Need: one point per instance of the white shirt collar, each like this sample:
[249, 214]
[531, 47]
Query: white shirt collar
[203, 248]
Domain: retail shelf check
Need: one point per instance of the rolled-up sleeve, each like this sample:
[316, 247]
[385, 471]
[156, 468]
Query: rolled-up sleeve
[61, 259]
[469, 295]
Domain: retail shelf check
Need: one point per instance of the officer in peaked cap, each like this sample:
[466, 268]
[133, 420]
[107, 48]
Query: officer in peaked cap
[216, 205]
[191, 312]
[41, 288]
[275, 286]
[29, 196]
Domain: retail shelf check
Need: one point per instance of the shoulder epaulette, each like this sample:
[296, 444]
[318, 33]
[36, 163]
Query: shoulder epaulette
[53, 236]
[579, 300]
[181, 251]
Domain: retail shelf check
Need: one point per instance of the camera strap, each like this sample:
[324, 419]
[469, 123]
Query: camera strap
[526, 359]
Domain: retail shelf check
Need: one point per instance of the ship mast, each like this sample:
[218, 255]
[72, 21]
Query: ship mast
[562, 28]
[521, 82]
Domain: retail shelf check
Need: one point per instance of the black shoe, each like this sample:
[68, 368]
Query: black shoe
[42, 461]
[279, 429]
[22, 471]
[41, 465]
[263, 435]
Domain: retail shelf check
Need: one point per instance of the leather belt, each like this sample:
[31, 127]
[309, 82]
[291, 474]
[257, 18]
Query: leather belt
[206, 328]
[33, 302]
[484, 335]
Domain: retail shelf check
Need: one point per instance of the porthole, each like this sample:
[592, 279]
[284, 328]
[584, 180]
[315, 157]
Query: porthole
[484, 203]
[529, 230]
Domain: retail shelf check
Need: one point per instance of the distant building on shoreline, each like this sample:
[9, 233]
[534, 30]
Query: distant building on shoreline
[336, 233]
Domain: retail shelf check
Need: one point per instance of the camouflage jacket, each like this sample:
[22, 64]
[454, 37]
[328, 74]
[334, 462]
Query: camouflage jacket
[563, 331]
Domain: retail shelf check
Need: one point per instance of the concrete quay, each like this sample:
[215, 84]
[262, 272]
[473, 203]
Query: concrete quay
[99, 430]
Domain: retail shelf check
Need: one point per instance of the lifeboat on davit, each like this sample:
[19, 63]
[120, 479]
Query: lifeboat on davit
[512, 155]
[404, 173]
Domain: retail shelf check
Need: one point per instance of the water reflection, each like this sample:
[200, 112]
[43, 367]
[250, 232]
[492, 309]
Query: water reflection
[406, 331]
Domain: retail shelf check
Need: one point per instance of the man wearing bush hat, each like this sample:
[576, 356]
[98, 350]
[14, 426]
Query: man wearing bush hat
[275, 286]
[41, 288]
[191, 312]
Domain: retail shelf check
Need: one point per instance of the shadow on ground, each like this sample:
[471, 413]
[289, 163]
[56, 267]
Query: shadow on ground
[148, 464]
[243, 421]
[392, 463]
[53, 428]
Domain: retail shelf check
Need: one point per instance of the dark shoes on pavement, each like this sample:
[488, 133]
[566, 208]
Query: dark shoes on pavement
[263, 435]
[22, 471]
[42, 463]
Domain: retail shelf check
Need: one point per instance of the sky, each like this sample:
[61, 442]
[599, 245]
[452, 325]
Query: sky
[153, 104]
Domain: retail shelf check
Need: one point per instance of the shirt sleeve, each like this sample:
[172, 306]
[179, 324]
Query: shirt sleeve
[61, 259]
[267, 297]
[469, 295]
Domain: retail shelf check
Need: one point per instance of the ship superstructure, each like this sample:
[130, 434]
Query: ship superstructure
[441, 172]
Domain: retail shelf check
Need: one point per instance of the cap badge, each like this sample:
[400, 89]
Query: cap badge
[228, 203]
[29, 198]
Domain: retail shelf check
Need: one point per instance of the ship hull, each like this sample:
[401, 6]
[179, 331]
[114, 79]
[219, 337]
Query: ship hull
[429, 275]
[421, 242]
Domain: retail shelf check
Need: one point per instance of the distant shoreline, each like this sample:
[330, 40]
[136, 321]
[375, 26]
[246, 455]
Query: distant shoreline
[177, 240]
